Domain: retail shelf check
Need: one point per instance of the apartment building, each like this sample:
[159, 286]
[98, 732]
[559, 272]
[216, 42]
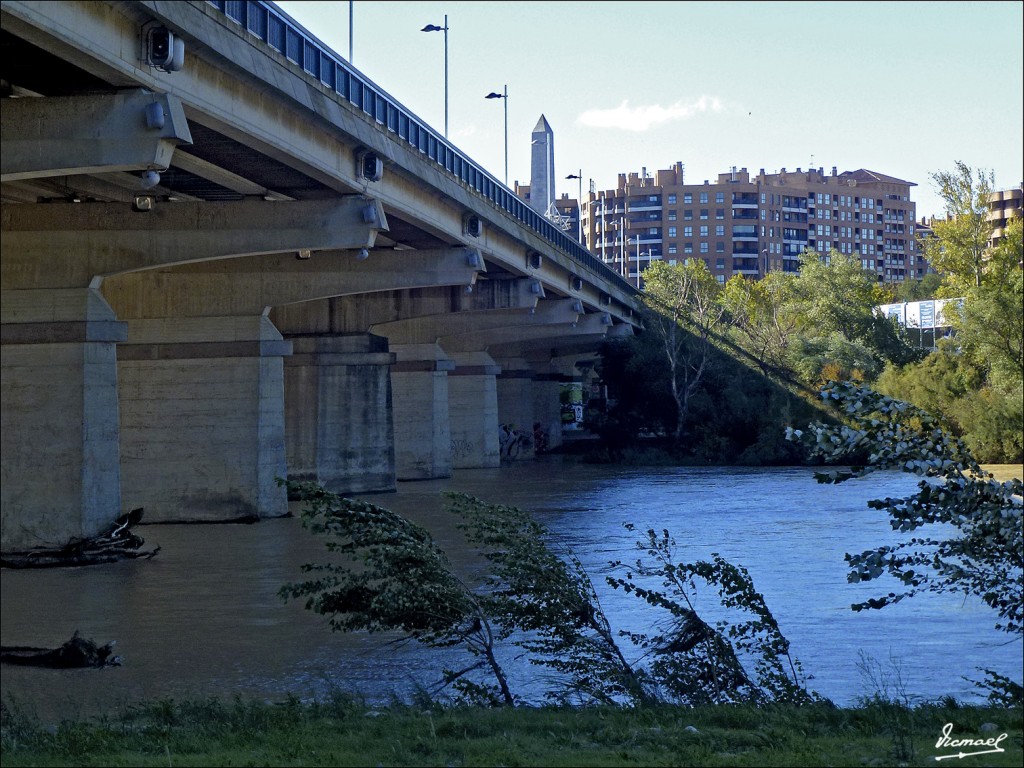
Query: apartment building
[752, 225]
[1003, 206]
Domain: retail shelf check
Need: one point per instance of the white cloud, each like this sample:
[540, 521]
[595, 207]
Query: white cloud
[627, 118]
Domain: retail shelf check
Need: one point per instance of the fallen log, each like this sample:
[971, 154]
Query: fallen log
[77, 652]
[115, 544]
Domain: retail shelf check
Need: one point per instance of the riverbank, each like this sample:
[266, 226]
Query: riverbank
[342, 732]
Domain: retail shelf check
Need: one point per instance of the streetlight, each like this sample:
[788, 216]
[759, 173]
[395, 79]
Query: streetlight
[503, 95]
[579, 202]
[435, 28]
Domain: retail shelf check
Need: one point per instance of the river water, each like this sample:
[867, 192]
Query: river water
[203, 618]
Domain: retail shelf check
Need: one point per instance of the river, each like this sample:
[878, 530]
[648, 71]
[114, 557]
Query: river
[203, 618]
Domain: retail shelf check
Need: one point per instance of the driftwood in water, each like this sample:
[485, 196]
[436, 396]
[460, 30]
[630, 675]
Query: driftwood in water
[76, 652]
[116, 543]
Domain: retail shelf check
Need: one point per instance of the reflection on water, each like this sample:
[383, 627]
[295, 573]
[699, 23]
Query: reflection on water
[203, 617]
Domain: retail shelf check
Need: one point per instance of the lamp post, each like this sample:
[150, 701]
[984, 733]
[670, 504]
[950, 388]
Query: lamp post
[503, 95]
[579, 203]
[435, 28]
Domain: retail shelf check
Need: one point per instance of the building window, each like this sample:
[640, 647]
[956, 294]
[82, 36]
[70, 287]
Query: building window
[719, 263]
[687, 197]
[688, 215]
[719, 197]
[704, 230]
[687, 231]
[703, 197]
[671, 215]
[671, 199]
[703, 214]
[720, 230]
[703, 247]
[688, 248]
[719, 247]
[719, 213]
[671, 231]
[672, 248]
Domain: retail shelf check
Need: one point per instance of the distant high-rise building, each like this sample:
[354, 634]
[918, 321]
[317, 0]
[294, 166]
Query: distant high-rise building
[542, 167]
[750, 226]
[1004, 206]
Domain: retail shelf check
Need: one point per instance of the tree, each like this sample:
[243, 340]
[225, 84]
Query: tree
[550, 598]
[927, 287]
[983, 555]
[992, 321]
[391, 576]
[683, 310]
[833, 293]
[695, 662]
[840, 332]
[760, 312]
[957, 251]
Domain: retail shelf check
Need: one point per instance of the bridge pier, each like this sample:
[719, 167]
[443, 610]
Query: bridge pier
[60, 475]
[202, 418]
[339, 430]
[423, 438]
[516, 404]
[473, 411]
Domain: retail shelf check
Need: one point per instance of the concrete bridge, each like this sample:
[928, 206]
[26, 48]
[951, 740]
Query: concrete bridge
[227, 257]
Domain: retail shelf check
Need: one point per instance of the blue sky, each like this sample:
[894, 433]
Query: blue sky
[905, 89]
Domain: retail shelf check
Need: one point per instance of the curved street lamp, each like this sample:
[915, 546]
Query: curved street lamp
[503, 95]
[435, 28]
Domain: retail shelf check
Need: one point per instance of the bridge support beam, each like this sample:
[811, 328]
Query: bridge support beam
[420, 395]
[60, 475]
[70, 135]
[202, 418]
[338, 415]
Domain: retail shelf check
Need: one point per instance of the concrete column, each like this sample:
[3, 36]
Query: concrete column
[516, 399]
[202, 415]
[423, 437]
[60, 477]
[338, 413]
[547, 408]
[473, 410]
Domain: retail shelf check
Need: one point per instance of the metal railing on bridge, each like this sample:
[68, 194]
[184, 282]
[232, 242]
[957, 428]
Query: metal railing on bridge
[281, 32]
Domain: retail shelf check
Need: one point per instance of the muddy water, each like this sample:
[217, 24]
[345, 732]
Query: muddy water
[203, 617]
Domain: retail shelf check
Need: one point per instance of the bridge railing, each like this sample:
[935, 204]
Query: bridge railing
[281, 32]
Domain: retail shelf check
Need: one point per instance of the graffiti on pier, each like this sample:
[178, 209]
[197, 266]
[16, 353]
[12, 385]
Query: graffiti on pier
[461, 448]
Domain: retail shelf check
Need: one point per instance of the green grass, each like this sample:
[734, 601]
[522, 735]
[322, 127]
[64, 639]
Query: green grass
[342, 732]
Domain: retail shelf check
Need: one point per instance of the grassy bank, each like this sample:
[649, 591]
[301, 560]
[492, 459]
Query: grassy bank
[345, 733]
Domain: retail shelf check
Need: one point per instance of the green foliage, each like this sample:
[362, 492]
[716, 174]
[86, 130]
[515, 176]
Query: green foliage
[391, 576]
[311, 734]
[636, 375]
[926, 287]
[984, 555]
[694, 662]
[550, 600]
[761, 315]
[957, 251]
[834, 294]
[683, 311]
[839, 334]
[991, 326]
[1002, 691]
